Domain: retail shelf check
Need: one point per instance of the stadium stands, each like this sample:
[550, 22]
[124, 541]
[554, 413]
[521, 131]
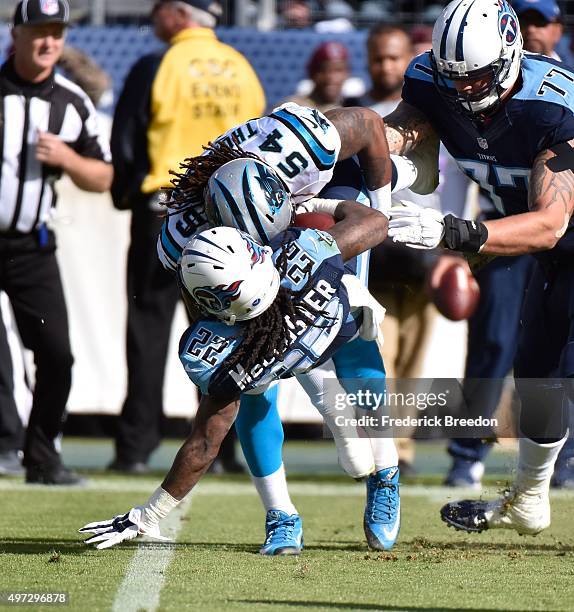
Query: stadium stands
[278, 57]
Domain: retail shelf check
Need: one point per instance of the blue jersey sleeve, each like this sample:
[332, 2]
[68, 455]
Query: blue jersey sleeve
[418, 88]
[545, 102]
[555, 126]
[202, 350]
[307, 250]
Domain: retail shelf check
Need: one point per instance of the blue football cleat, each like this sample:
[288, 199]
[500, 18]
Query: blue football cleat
[382, 519]
[465, 473]
[283, 534]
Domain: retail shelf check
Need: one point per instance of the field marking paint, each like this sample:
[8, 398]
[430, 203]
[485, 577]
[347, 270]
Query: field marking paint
[226, 488]
[145, 575]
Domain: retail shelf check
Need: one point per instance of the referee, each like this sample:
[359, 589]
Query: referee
[48, 126]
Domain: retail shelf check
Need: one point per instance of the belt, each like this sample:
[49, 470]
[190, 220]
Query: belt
[40, 234]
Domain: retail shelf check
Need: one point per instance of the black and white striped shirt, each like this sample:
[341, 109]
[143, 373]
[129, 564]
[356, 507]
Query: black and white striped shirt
[55, 105]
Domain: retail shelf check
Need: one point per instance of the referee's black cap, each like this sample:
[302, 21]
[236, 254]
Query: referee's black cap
[37, 12]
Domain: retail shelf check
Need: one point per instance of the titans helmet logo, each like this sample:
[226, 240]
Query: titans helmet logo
[256, 251]
[217, 299]
[508, 27]
[272, 188]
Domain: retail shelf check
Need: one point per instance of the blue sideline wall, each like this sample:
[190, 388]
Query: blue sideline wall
[279, 58]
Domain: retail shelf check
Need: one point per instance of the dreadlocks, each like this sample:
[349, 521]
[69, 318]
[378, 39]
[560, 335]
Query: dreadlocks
[268, 336]
[190, 183]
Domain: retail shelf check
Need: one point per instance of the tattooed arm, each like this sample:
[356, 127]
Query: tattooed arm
[408, 128]
[362, 133]
[550, 203]
[358, 228]
[211, 424]
[409, 133]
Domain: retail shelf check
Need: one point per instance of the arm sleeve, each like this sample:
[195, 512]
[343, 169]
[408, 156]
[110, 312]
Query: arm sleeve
[209, 377]
[454, 185]
[408, 93]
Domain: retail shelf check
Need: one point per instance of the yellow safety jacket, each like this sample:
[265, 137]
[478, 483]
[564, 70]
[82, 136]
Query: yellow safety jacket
[201, 89]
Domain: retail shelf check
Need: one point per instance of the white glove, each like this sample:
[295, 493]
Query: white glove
[122, 527]
[416, 226]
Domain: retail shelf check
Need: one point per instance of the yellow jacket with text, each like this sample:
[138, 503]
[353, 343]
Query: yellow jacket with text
[175, 102]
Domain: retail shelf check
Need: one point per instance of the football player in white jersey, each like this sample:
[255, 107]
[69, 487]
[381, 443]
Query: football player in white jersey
[301, 145]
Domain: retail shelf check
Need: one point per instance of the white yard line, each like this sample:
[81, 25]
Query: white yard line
[145, 576]
[225, 488]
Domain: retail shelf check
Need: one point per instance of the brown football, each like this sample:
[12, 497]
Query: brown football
[457, 294]
[314, 220]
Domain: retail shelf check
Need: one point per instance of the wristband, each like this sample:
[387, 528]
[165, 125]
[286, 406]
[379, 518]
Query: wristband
[322, 205]
[463, 235]
[158, 506]
[381, 199]
[404, 173]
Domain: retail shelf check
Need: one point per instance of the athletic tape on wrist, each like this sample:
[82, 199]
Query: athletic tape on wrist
[158, 506]
[323, 205]
[381, 199]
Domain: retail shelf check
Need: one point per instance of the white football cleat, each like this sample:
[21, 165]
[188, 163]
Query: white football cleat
[525, 511]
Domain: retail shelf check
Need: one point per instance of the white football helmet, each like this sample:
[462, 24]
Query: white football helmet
[475, 39]
[249, 195]
[228, 275]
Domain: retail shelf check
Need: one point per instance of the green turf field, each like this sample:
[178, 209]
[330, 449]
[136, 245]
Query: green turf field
[214, 563]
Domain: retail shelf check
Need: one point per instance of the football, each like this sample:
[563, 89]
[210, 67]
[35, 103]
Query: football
[314, 220]
[457, 294]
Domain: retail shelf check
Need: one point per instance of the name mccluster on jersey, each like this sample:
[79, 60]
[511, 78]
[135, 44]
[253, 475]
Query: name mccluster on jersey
[320, 297]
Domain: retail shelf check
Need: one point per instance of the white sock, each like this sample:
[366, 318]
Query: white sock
[354, 450]
[158, 506]
[536, 463]
[273, 491]
[384, 451]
